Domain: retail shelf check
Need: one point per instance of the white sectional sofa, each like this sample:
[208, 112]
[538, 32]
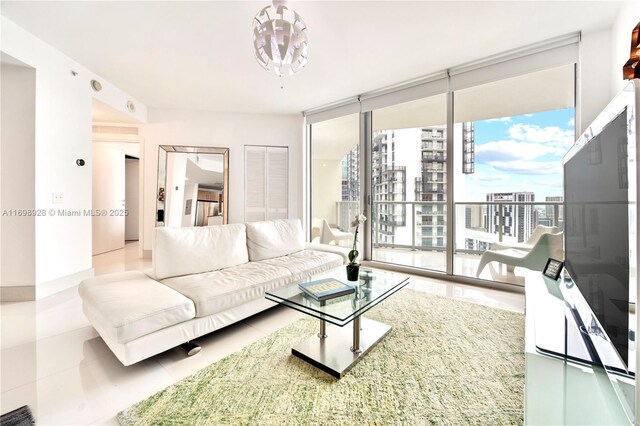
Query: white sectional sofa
[202, 279]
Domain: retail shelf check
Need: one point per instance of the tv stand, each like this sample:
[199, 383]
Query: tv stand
[564, 380]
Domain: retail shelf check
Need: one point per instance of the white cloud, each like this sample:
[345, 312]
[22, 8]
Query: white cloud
[510, 150]
[484, 177]
[551, 136]
[571, 122]
[528, 167]
[491, 120]
[555, 183]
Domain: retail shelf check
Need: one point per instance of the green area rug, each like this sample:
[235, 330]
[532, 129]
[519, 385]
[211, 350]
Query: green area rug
[444, 362]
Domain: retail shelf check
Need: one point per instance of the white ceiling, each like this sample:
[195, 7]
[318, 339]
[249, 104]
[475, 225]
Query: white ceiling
[198, 55]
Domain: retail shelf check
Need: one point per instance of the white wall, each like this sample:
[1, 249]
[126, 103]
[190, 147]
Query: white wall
[132, 199]
[602, 55]
[63, 134]
[595, 75]
[17, 170]
[229, 130]
[628, 18]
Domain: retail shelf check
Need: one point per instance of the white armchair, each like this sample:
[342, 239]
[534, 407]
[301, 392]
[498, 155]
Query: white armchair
[528, 245]
[548, 245]
[328, 234]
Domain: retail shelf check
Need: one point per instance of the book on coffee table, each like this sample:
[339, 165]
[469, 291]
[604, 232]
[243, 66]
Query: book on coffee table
[326, 289]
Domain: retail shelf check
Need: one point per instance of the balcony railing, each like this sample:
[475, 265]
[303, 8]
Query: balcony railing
[436, 158]
[474, 225]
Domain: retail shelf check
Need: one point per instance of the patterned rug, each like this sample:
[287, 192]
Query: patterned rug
[444, 362]
[18, 417]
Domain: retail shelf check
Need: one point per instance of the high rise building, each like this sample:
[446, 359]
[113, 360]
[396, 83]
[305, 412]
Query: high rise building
[475, 217]
[468, 148]
[432, 186]
[549, 210]
[419, 153]
[389, 183]
[519, 220]
[351, 175]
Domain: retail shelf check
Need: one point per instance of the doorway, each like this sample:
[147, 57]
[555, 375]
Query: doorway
[116, 180]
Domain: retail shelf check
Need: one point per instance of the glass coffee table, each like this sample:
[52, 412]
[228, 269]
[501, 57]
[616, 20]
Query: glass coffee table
[336, 348]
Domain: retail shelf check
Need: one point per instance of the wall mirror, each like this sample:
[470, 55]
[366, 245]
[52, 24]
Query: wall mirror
[193, 186]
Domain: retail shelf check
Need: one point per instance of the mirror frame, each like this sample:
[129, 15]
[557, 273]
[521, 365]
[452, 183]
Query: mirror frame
[163, 152]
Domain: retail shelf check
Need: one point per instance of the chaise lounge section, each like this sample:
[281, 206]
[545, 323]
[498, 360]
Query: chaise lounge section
[203, 279]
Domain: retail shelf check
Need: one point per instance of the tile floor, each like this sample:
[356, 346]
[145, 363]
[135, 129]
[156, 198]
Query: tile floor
[53, 360]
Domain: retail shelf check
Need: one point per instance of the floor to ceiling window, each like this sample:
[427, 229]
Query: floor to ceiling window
[452, 165]
[335, 168]
[510, 180]
[408, 183]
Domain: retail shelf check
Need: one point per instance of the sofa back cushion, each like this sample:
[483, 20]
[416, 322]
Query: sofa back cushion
[274, 238]
[183, 251]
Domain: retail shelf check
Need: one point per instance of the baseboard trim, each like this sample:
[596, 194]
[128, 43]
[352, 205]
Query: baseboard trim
[21, 293]
[51, 287]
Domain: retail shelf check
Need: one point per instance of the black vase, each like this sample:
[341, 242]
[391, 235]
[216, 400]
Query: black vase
[352, 272]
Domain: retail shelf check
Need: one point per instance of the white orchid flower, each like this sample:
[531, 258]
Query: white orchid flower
[353, 254]
[359, 220]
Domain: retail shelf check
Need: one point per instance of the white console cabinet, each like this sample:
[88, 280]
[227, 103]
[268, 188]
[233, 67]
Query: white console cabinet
[558, 390]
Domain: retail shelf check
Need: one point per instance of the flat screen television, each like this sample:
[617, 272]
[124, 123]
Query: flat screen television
[601, 228]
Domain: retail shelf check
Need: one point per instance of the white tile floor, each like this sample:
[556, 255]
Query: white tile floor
[53, 360]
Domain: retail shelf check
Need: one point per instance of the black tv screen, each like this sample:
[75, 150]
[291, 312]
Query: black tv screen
[597, 231]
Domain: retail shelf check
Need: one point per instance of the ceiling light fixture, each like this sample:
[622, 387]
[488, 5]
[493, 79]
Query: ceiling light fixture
[280, 39]
[96, 86]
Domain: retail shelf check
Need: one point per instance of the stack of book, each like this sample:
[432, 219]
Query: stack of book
[326, 289]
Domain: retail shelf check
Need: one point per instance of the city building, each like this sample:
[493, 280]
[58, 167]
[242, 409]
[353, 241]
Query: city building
[550, 211]
[518, 221]
[412, 162]
[431, 187]
[351, 175]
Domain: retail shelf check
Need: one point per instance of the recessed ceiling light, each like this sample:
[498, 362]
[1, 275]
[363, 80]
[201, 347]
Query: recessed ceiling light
[96, 85]
[131, 106]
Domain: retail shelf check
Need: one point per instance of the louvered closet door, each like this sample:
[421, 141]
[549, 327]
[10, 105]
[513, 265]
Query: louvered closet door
[277, 202]
[266, 183]
[255, 183]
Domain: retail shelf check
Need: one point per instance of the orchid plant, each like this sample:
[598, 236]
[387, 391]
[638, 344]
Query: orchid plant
[353, 254]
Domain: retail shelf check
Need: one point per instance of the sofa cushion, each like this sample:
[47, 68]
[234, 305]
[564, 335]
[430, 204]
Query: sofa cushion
[217, 291]
[306, 263]
[129, 305]
[274, 238]
[183, 251]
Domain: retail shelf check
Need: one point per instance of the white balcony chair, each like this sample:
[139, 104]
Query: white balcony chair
[328, 234]
[548, 245]
[528, 245]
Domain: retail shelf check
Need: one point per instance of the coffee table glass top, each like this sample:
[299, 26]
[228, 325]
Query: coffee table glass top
[372, 288]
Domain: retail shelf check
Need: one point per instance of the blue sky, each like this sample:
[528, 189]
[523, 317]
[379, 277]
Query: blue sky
[521, 153]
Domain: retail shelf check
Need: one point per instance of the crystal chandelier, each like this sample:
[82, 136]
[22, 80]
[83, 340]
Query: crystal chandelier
[280, 39]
